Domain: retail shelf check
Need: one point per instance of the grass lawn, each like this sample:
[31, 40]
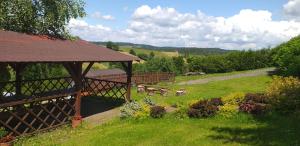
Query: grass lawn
[209, 90]
[171, 130]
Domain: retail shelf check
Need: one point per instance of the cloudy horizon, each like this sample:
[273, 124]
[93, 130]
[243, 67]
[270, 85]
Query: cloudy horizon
[158, 25]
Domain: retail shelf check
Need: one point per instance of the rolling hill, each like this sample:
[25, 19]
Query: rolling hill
[181, 50]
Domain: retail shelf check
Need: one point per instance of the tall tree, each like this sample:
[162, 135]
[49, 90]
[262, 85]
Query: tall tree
[47, 17]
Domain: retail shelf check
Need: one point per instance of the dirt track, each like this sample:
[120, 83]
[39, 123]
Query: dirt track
[228, 77]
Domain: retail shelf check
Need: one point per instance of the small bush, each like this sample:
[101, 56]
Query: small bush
[284, 86]
[157, 111]
[180, 113]
[284, 93]
[134, 109]
[202, 108]
[143, 113]
[253, 108]
[231, 104]
[228, 110]
[216, 101]
[256, 98]
[234, 98]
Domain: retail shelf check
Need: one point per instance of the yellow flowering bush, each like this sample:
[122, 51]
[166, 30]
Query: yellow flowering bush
[144, 112]
[233, 98]
[231, 104]
[284, 93]
[228, 110]
[283, 86]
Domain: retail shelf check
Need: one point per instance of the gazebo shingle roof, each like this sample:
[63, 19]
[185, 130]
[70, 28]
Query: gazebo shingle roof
[19, 47]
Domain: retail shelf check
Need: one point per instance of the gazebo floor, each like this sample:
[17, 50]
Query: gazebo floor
[92, 105]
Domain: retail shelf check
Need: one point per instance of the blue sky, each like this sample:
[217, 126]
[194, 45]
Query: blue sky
[228, 24]
[123, 9]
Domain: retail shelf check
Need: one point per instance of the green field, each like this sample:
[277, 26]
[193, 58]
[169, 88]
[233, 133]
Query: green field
[147, 51]
[172, 130]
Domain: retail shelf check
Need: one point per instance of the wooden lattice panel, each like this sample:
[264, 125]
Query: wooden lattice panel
[30, 116]
[38, 87]
[103, 88]
[35, 88]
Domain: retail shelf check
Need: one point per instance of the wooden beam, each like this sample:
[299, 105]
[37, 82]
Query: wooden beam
[70, 70]
[87, 69]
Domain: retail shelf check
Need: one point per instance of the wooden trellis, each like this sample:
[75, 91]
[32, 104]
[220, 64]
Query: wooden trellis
[47, 103]
[103, 88]
[33, 115]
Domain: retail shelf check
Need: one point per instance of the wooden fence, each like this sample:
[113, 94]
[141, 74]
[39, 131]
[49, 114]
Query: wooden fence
[141, 78]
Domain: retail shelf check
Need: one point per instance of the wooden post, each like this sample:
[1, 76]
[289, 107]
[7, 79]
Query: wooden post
[129, 75]
[75, 70]
[78, 87]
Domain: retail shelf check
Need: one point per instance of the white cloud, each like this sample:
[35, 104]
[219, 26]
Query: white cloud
[98, 15]
[168, 27]
[292, 9]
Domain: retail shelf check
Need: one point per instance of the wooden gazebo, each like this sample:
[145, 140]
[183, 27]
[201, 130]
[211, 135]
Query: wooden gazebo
[28, 106]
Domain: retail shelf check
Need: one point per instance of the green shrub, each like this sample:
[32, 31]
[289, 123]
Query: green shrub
[287, 57]
[134, 109]
[284, 93]
[157, 111]
[181, 112]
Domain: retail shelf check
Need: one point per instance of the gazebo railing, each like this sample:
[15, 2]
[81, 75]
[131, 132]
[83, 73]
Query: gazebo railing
[104, 88]
[34, 88]
[32, 115]
[47, 103]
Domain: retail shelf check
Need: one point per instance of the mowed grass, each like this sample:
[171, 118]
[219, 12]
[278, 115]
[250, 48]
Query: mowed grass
[171, 130]
[209, 90]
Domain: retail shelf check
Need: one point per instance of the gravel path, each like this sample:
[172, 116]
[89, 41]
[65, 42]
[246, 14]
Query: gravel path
[228, 77]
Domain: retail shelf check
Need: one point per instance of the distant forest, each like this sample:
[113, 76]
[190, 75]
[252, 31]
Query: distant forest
[181, 50]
